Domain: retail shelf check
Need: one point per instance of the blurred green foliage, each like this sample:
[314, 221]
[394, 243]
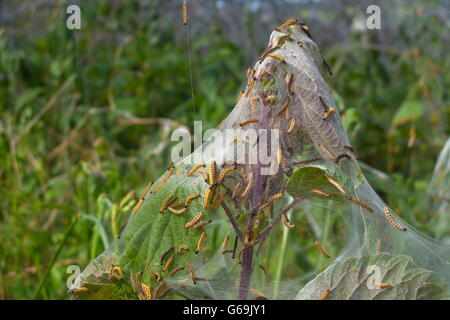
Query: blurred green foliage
[75, 138]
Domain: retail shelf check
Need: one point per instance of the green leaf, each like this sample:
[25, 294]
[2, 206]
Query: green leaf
[147, 236]
[409, 111]
[351, 119]
[26, 98]
[150, 233]
[308, 178]
[351, 279]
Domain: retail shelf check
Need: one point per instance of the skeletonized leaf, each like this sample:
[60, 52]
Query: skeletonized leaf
[361, 279]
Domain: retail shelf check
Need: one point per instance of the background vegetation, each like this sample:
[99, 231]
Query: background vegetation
[86, 116]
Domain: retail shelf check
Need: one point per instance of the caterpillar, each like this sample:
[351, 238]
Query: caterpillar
[257, 292]
[324, 295]
[392, 221]
[336, 184]
[166, 202]
[270, 200]
[174, 271]
[352, 150]
[205, 174]
[320, 193]
[115, 272]
[158, 187]
[212, 172]
[250, 86]
[286, 24]
[168, 264]
[264, 55]
[285, 106]
[283, 39]
[190, 198]
[175, 211]
[341, 156]
[291, 126]
[239, 95]
[224, 173]
[77, 290]
[195, 168]
[207, 196]
[305, 29]
[201, 224]
[249, 74]
[279, 155]
[137, 207]
[169, 172]
[194, 220]
[162, 295]
[276, 56]
[261, 298]
[149, 270]
[290, 81]
[225, 242]
[249, 185]
[239, 255]
[321, 249]
[328, 153]
[327, 66]
[236, 189]
[144, 193]
[328, 113]
[182, 248]
[306, 161]
[191, 272]
[361, 203]
[381, 285]
[158, 289]
[147, 291]
[263, 270]
[133, 283]
[235, 246]
[285, 220]
[324, 105]
[246, 122]
[165, 255]
[185, 13]
[200, 242]
[235, 139]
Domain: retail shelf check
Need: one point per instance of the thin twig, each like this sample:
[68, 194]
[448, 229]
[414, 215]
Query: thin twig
[50, 103]
[233, 222]
[266, 231]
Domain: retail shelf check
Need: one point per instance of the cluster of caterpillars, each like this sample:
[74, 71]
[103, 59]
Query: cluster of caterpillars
[156, 287]
[244, 181]
[253, 78]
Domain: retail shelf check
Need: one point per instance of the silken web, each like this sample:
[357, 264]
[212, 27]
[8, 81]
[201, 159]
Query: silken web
[318, 176]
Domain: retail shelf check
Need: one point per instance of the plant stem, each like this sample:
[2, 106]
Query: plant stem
[233, 222]
[55, 257]
[280, 262]
[259, 180]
